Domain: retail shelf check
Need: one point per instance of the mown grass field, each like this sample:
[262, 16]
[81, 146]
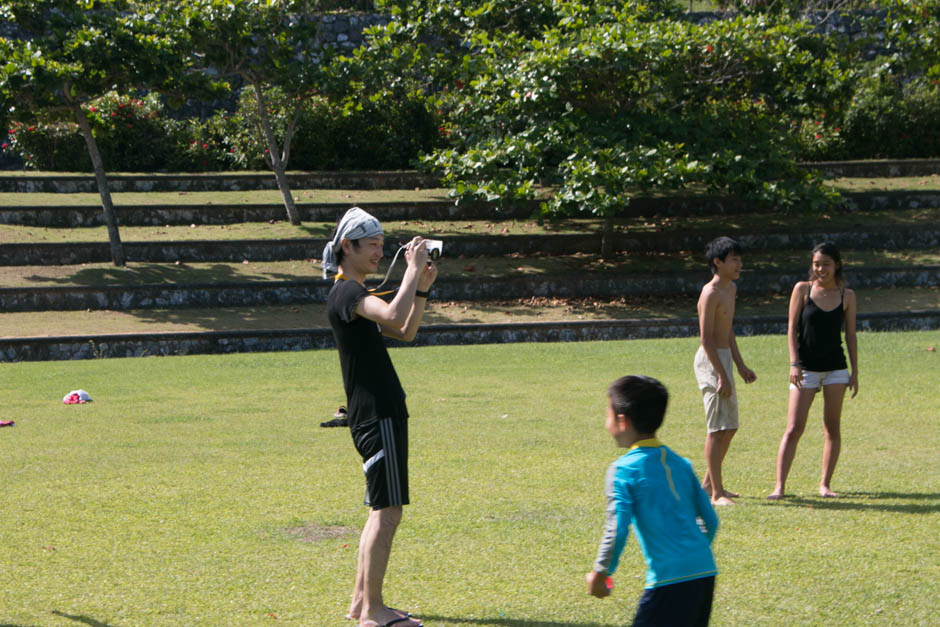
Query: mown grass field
[201, 490]
[926, 183]
[405, 229]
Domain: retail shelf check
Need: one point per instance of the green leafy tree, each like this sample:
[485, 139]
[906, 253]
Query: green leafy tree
[607, 100]
[64, 54]
[271, 46]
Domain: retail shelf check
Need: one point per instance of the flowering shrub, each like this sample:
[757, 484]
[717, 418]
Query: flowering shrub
[884, 119]
[131, 132]
[55, 146]
[819, 139]
[136, 134]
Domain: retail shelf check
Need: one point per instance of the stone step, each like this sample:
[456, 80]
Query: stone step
[196, 251]
[678, 206]
[220, 342]
[597, 285]
[876, 168]
[401, 179]
[213, 182]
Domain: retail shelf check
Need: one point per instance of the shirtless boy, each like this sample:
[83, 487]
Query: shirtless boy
[713, 361]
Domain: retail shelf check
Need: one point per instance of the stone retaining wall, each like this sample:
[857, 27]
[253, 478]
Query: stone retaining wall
[880, 168]
[216, 342]
[166, 296]
[195, 251]
[202, 182]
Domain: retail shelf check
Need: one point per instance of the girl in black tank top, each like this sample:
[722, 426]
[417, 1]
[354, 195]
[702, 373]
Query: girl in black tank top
[820, 336]
[819, 308]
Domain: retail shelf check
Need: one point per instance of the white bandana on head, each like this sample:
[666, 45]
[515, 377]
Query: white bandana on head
[355, 224]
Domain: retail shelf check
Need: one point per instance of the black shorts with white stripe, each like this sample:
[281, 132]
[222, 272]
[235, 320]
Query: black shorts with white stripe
[383, 446]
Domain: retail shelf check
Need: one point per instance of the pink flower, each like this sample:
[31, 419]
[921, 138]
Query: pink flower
[31, 128]
[818, 136]
[4, 145]
[205, 145]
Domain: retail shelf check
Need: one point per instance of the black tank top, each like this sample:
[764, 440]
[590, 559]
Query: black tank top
[820, 337]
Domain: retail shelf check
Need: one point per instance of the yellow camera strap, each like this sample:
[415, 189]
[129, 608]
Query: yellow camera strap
[341, 277]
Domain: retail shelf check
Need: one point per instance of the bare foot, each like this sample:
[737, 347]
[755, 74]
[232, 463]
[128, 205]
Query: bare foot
[775, 496]
[723, 500]
[826, 493]
[708, 490]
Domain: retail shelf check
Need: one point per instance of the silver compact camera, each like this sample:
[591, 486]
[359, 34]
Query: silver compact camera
[435, 248]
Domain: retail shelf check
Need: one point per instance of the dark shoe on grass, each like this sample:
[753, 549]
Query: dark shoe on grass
[339, 419]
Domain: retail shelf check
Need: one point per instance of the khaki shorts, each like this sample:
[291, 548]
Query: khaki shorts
[721, 413]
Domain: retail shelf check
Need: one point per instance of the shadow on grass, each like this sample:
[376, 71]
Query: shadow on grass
[506, 622]
[85, 620]
[857, 501]
[158, 274]
[320, 230]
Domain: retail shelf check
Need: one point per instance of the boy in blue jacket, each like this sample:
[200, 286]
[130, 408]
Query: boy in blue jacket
[656, 491]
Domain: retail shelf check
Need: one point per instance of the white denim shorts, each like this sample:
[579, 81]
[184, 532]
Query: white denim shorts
[813, 379]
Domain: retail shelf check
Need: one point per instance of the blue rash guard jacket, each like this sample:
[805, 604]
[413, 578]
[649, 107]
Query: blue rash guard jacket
[657, 492]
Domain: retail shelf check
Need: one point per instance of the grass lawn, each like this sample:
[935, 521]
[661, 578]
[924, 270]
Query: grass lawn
[540, 309]
[223, 198]
[201, 490]
[405, 229]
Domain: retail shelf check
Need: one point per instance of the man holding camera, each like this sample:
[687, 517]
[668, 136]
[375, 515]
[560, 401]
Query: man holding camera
[378, 417]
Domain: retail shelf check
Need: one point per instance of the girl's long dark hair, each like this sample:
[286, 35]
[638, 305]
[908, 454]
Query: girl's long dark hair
[830, 250]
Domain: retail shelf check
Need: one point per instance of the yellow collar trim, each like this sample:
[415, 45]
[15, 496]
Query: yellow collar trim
[649, 442]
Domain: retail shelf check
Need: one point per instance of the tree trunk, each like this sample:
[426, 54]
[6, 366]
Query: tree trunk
[607, 238]
[278, 164]
[114, 237]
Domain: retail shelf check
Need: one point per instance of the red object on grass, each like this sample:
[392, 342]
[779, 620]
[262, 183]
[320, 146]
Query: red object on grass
[7, 423]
